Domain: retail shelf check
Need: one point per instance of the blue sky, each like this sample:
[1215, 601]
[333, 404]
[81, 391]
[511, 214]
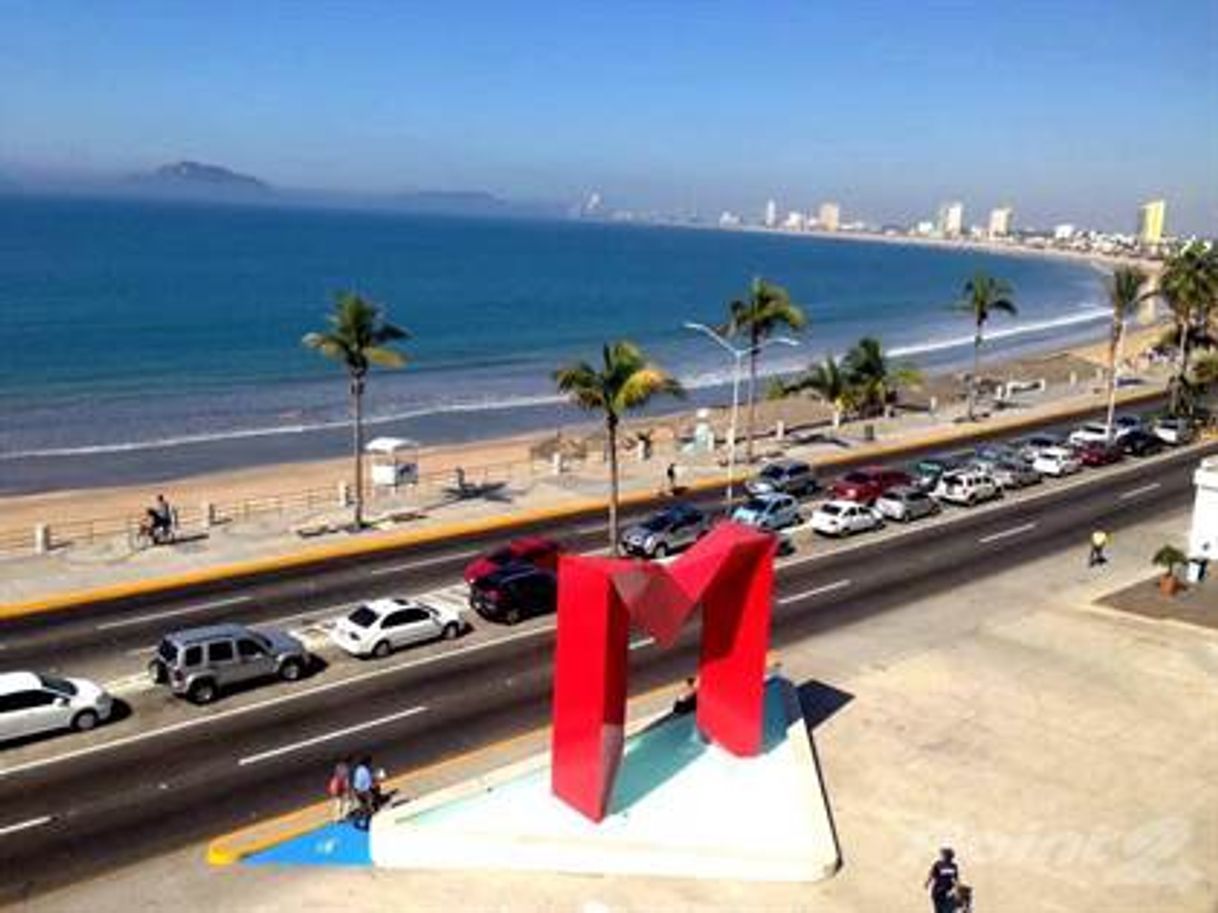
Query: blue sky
[1073, 111]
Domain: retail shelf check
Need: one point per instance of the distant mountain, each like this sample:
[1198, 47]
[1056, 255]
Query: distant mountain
[197, 179]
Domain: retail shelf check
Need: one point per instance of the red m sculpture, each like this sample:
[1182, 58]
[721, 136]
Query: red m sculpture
[730, 574]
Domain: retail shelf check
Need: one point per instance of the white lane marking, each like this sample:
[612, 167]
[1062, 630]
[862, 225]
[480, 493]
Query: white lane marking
[423, 562]
[588, 528]
[330, 736]
[641, 643]
[1140, 490]
[24, 825]
[138, 737]
[816, 591]
[1007, 533]
[171, 613]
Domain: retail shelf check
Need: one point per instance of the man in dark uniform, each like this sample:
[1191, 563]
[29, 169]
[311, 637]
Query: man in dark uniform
[942, 879]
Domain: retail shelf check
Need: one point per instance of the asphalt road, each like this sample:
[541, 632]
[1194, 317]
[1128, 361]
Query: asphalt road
[174, 774]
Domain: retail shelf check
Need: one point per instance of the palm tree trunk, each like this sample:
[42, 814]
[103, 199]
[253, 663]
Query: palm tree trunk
[972, 380]
[748, 446]
[357, 449]
[1181, 370]
[1118, 332]
[611, 427]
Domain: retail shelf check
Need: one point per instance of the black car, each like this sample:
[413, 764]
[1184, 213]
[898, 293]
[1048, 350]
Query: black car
[665, 532]
[514, 592]
[1140, 442]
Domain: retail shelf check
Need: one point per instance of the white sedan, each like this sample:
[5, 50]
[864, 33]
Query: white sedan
[1090, 433]
[379, 627]
[1056, 461]
[841, 518]
[31, 704]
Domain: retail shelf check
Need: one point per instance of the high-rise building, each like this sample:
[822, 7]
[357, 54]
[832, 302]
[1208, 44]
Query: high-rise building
[1000, 221]
[771, 214]
[951, 219]
[1153, 215]
[829, 216]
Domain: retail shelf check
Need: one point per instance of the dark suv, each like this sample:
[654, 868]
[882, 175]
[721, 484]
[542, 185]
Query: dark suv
[199, 662]
[513, 593]
[791, 477]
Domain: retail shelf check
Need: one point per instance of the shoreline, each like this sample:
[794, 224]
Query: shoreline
[80, 504]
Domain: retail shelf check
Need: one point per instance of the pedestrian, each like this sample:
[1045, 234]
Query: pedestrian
[671, 473]
[687, 700]
[363, 787]
[339, 789]
[943, 879]
[1099, 541]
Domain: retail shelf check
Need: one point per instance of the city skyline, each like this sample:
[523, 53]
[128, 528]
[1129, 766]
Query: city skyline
[637, 102]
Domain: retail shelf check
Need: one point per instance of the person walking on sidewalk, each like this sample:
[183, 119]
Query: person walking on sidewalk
[363, 787]
[671, 474]
[339, 789]
[943, 879]
[1099, 542]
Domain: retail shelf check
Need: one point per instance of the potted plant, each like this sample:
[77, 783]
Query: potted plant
[1169, 558]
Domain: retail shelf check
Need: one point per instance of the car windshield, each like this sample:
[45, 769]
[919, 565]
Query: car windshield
[659, 521]
[771, 472]
[858, 477]
[500, 556]
[58, 685]
[831, 509]
[363, 616]
[756, 505]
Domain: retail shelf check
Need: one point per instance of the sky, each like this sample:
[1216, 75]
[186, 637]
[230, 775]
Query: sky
[1070, 111]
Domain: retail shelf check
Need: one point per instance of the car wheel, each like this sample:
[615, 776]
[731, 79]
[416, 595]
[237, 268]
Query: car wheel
[156, 672]
[660, 551]
[291, 670]
[84, 721]
[450, 632]
[202, 691]
[512, 616]
[381, 649]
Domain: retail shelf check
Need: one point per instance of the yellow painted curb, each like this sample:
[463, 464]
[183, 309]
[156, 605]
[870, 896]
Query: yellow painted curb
[374, 543]
[231, 848]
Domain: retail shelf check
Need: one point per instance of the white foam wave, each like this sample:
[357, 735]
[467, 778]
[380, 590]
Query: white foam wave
[1090, 315]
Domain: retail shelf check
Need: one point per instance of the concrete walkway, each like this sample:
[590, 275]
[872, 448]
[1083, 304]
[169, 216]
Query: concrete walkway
[1067, 751]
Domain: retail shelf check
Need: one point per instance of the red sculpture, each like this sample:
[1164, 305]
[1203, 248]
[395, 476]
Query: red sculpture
[730, 574]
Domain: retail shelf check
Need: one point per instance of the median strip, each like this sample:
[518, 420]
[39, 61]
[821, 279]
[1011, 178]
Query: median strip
[1007, 533]
[330, 736]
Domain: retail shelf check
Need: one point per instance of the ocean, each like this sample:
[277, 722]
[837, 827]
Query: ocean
[145, 340]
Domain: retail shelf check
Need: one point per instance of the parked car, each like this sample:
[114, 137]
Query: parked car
[1141, 442]
[671, 529]
[967, 487]
[1173, 431]
[1010, 474]
[1056, 461]
[535, 550]
[514, 592]
[996, 453]
[842, 518]
[792, 477]
[379, 627]
[926, 472]
[32, 704]
[1030, 447]
[1100, 453]
[865, 485]
[1125, 424]
[772, 511]
[1090, 433]
[905, 504]
[198, 663]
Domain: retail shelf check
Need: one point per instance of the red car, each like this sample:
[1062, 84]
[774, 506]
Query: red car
[1098, 453]
[535, 550]
[867, 484]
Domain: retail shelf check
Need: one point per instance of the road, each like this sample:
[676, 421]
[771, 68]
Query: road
[173, 774]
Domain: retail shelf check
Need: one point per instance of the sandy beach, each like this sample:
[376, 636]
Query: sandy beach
[524, 454]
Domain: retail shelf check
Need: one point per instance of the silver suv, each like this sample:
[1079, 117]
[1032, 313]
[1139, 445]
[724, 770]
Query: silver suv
[199, 662]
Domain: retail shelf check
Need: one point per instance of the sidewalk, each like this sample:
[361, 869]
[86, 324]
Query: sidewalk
[1066, 752]
[271, 537]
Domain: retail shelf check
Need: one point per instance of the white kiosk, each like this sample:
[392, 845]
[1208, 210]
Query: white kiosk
[1203, 535]
[395, 461]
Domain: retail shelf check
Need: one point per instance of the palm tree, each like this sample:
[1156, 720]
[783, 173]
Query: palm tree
[868, 370]
[1124, 295]
[625, 381]
[983, 295]
[359, 337]
[829, 383]
[764, 309]
[1189, 286]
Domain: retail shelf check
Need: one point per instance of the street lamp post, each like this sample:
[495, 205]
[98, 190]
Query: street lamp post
[738, 356]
